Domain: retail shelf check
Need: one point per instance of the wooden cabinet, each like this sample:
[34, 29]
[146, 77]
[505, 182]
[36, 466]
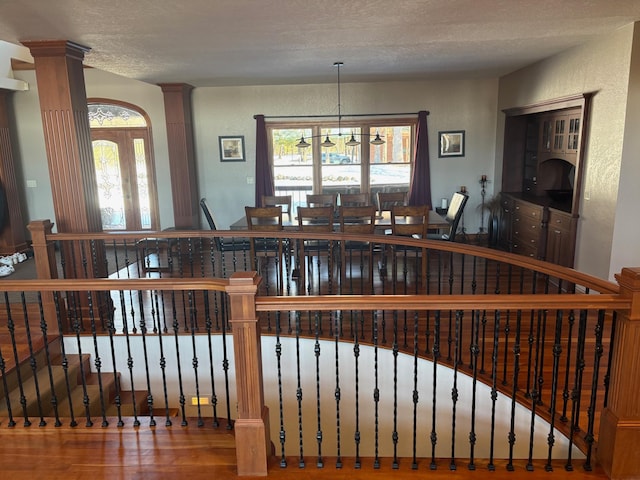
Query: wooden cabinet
[541, 177]
[560, 247]
[538, 231]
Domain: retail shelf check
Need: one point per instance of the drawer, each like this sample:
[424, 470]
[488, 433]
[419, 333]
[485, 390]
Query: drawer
[524, 249]
[559, 220]
[528, 210]
[527, 238]
[522, 225]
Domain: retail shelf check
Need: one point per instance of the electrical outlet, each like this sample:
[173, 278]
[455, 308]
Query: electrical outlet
[203, 401]
[32, 184]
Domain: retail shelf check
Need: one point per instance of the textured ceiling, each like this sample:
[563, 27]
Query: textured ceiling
[253, 42]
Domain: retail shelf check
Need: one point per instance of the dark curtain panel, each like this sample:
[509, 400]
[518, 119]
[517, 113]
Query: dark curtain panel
[420, 187]
[264, 175]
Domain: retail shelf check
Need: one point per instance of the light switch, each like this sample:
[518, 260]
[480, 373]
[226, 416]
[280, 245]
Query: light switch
[32, 183]
[249, 180]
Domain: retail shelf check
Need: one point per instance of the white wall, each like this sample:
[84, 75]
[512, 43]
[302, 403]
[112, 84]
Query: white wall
[601, 67]
[626, 232]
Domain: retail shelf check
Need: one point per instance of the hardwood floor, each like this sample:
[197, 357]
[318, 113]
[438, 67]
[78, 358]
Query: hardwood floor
[198, 453]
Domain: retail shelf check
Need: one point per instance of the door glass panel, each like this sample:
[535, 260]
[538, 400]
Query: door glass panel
[110, 194]
[144, 201]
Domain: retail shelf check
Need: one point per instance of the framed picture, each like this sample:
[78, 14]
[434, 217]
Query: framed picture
[232, 148]
[451, 144]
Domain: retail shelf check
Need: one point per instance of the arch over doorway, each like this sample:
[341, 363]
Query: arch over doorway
[125, 170]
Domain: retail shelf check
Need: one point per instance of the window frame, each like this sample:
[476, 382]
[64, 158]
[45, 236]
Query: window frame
[365, 125]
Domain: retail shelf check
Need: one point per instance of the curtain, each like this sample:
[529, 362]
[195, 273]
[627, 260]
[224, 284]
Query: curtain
[420, 187]
[264, 175]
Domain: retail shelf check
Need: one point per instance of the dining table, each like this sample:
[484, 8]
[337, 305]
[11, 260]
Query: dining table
[383, 222]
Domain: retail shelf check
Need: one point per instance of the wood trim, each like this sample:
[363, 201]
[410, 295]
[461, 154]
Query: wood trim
[577, 100]
[182, 164]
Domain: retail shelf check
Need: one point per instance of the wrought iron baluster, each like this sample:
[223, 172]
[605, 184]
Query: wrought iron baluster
[176, 337]
[416, 354]
[607, 375]
[557, 350]
[507, 330]
[301, 463]
[316, 350]
[356, 357]
[282, 435]
[567, 368]
[591, 411]
[32, 359]
[209, 328]
[376, 393]
[494, 382]
[44, 328]
[394, 434]
[475, 350]
[454, 391]
[577, 385]
[436, 356]
[337, 393]
[514, 388]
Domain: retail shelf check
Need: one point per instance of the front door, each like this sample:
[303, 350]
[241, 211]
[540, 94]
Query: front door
[125, 188]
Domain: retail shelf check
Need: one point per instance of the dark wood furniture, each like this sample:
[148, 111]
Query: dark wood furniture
[542, 178]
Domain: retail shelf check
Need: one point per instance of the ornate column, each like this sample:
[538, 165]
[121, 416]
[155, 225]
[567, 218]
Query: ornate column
[182, 163]
[63, 104]
[619, 439]
[12, 238]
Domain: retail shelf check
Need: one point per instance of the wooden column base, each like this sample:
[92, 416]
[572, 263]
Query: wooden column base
[253, 431]
[619, 446]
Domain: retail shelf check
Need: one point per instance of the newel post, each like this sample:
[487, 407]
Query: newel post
[619, 439]
[44, 255]
[253, 444]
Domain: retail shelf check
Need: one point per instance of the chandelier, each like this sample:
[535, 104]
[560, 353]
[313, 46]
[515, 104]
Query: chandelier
[352, 142]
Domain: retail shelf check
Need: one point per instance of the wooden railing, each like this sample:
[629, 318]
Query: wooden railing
[509, 287]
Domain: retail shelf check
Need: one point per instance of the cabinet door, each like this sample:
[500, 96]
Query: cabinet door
[559, 133]
[573, 133]
[560, 238]
[546, 132]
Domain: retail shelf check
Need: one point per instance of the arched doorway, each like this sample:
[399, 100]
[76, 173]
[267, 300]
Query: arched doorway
[125, 173]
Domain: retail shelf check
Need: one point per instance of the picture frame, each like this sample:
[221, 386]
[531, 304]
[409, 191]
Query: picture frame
[231, 148]
[451, 143]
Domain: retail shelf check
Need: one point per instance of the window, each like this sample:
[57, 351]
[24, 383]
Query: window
[341, 168]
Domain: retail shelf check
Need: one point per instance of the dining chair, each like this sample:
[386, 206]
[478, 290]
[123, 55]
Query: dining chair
[223, 244]
[314, 220]
[386, 200]
[410, 221]
[454, 214]
[267, 220]
[278, 200]
[322, 200]
[359, 220]
[354, 199]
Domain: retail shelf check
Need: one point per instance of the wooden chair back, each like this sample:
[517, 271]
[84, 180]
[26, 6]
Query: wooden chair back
[322, 200]
[283, 201]
[315, 219]
[386, 200]
[410, 220]
[354, 199]
[358, 220]
[264, 219]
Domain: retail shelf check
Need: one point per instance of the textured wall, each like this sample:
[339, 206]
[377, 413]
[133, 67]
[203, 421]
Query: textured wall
[601, 67]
